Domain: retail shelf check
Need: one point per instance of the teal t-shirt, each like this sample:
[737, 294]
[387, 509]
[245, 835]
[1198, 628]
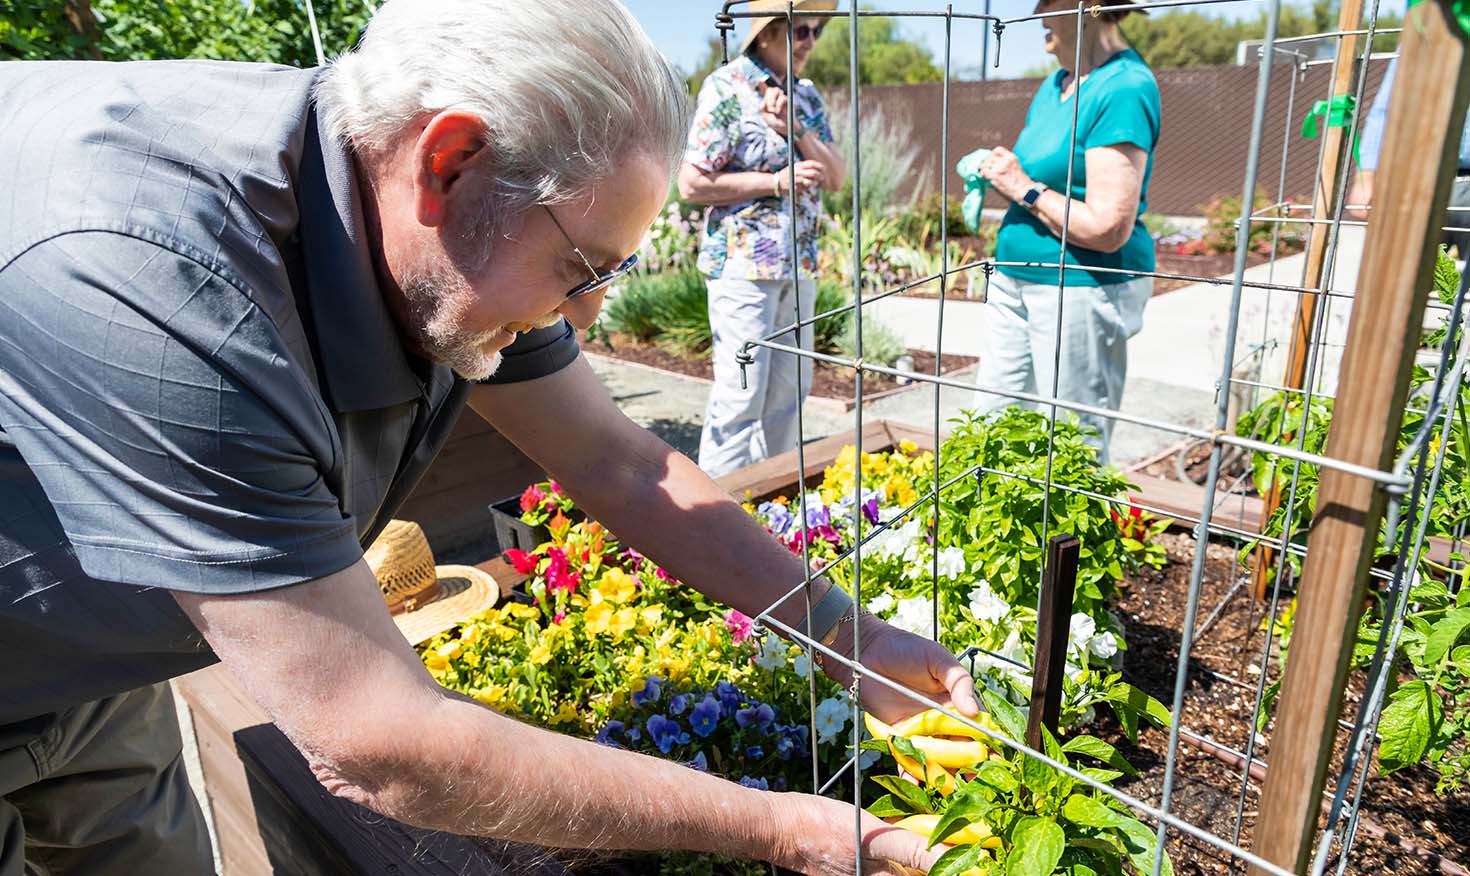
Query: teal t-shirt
[1120, 104]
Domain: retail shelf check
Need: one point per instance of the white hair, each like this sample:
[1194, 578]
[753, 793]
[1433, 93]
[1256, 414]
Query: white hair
[566, 88]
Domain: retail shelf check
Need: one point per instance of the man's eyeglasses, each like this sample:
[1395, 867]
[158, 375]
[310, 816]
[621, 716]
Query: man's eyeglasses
[599, 279]
[804, 32]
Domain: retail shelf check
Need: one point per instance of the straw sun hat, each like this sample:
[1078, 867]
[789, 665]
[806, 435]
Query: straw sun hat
[425, 599]
[779, 6]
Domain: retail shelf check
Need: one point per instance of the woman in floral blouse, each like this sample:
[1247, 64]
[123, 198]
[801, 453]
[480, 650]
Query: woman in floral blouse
[738, 163]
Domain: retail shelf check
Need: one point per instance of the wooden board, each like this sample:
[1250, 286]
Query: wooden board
[774, 476]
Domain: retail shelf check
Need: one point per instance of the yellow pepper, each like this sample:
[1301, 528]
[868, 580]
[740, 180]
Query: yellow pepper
[943, 752]
[933, 722]
[976, 833]
[935, 776]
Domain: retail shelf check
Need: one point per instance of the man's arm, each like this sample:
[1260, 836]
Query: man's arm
[327, 664]
[656, 499]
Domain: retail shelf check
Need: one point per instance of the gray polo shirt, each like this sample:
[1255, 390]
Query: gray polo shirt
[201, 387]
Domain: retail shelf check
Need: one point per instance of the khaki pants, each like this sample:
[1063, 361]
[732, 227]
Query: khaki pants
[99, 790]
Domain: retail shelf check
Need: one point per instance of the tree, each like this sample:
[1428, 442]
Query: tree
[128, 30]
[714, 57]
[1188, 39]
[886, 57]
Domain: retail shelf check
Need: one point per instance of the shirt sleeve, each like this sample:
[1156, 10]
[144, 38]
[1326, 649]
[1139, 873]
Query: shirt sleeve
[537, 354]
[1370, 141]
[180, 444]
[716, 127]
[819, 121]
[1127, 113]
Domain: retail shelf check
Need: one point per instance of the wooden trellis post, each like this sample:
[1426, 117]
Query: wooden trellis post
[1415, 175]
[1350, 17]
[1053, 625]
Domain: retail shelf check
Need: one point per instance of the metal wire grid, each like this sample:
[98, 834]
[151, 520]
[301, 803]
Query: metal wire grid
[1415, 477]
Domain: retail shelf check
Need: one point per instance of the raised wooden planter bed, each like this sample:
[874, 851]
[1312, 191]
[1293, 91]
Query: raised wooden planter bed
[270, 814]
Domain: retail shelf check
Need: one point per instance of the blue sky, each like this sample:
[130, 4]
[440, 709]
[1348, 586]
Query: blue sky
[682, 27]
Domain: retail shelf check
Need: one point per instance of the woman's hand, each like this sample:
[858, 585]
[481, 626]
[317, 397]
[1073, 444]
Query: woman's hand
[819, 840]
[809, 175]
[1004, 172]
[921, 665]
[773, 108]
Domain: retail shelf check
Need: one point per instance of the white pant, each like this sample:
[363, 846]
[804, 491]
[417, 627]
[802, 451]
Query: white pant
[1018, 347]
[742, 426]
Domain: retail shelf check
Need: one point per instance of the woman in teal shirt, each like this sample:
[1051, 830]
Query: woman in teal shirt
[1101, 301]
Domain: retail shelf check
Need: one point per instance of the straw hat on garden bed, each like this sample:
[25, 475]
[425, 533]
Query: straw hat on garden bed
[425, 599]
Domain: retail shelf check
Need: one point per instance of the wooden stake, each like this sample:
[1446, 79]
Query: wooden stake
[1416, 172]
[1053, 624]
[1350, 17]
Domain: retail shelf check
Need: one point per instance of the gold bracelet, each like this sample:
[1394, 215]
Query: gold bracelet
[852, 616]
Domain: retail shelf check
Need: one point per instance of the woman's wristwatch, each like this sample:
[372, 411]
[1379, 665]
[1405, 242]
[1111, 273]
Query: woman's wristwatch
[1033, 195]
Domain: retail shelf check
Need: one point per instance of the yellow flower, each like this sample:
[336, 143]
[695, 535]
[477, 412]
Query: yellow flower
[651, 616]
[598, 618]
[491, 696]
[710, 634]
[675, 670]
[617, 586]
[522, 612]
[622, 621]
[436, 662]
[749, 508]
[470, 634]
[448, 650]
[471, 659]
[566, 713]
[908, 447]
[540, 654]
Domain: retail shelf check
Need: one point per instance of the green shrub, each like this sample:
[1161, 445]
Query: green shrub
[670, 309]
[890, 164]
[881, 344]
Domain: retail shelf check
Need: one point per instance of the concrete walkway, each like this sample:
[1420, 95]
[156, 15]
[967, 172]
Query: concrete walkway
[1175, 362]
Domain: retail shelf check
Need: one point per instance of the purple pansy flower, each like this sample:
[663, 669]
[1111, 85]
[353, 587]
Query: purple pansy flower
[705, 717]
[666, 733]
[652, 690]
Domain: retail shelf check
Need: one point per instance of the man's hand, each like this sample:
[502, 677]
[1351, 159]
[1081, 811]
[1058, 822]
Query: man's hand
[821, 837]
[915, 662]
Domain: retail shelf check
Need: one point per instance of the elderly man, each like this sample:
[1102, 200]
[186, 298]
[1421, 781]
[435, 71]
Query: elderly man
[240, 309]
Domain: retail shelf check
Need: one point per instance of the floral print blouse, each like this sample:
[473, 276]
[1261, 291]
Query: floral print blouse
[752, 240]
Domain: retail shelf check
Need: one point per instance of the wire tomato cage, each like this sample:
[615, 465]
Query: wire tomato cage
[1404, 489]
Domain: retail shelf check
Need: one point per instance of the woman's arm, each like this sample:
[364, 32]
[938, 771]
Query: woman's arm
[714, 188]
[834, 169]
[1104, 220]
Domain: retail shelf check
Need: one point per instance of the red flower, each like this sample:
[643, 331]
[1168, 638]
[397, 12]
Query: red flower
[525, 563]
[559, 574]
[532, 498]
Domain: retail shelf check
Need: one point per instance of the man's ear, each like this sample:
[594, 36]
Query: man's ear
[451, 143]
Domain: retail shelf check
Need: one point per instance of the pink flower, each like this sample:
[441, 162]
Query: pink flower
[555, 487]
[532, 498]
[633, 558]
[739, 625]
[559, 574]
[525, 563]
[559, 617]
[662, 575]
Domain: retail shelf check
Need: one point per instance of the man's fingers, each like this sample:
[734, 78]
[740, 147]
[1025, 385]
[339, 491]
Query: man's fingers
[895, 846]
[948, 672]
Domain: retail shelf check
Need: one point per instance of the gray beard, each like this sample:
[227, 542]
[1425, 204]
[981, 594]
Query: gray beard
[436, 302]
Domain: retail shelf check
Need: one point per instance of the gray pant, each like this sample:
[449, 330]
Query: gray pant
[1019, 344]
[747, 425]
[100, 790]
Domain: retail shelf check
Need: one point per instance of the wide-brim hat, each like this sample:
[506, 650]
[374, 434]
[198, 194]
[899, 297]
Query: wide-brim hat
[759, 24]
[425, 599]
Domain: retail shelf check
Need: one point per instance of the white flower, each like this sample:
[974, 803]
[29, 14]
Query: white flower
[772, 655]
[916, 615]
[866, 758]
[1088, 716]
[986, 605]
[881, 604]
[831, 718]
[951, 562]
[1103, 645]
[1081, 631]
[801, 665]
[1011, 659]
[896, 541]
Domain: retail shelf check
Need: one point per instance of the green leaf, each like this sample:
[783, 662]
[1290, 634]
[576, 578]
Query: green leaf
[1037, 845]
[1000, 776]
[1140, 839]
[889, 806]
[1443, 636]
[1089, 812]
[1091, 746]
[1097, 774]
[1006, 715]
[1411, 720]
[959, 814]
[907, 749]
[874, 745]
[958, 859]
[906, 793]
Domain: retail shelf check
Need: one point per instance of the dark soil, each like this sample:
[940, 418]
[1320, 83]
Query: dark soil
[1219, 702]
[828, 381]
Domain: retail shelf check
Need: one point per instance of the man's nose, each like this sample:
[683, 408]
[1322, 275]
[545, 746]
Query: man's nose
[582, 311]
